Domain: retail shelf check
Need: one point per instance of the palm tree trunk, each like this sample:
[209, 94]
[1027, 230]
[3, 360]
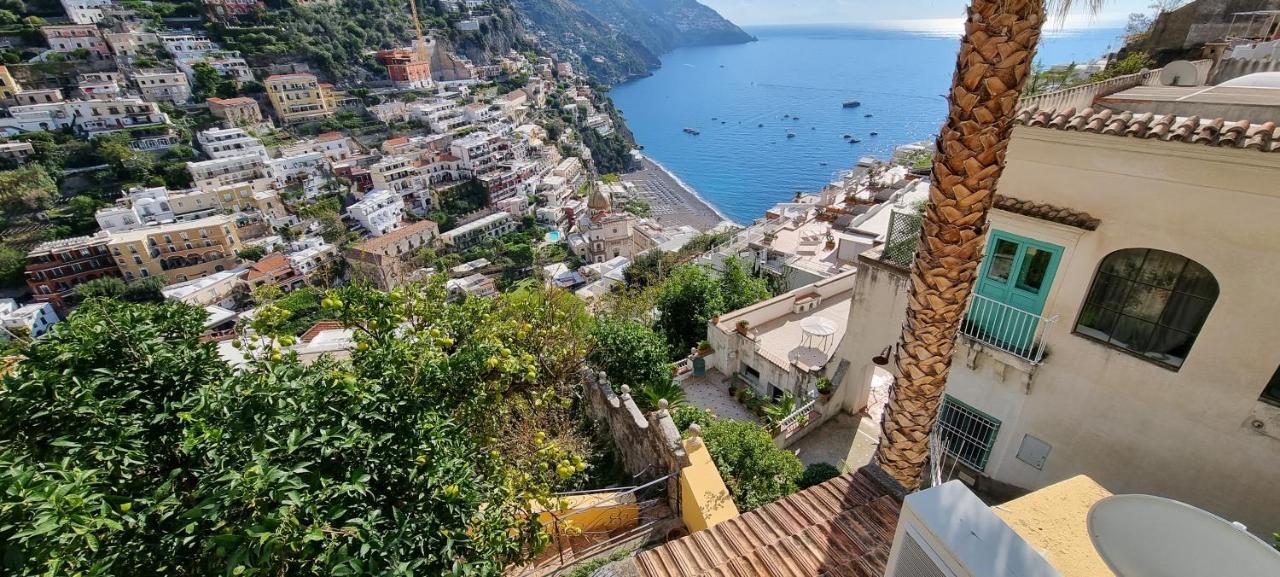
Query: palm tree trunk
[994, 62]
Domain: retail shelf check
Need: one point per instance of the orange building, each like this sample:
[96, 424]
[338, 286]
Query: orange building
[406, 68]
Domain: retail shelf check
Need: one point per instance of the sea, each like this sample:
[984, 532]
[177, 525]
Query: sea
[746, 99]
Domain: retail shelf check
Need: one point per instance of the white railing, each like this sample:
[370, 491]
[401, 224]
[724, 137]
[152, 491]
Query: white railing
[1007, 328]
[1083, 96]
[684, 369]
[791, 423]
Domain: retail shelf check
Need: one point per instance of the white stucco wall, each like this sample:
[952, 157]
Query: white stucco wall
[1132, 425]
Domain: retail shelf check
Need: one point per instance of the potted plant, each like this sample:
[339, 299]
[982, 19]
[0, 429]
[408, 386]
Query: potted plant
[704, 347]
[743, 327]
[825, 388]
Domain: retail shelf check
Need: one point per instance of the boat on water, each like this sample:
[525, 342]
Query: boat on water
[691, 131]
[852, 104]
[761, 125]
[848, 136]
[866, 116]
[822, 164]
[875, 134]
[791, 135]
[854, 141]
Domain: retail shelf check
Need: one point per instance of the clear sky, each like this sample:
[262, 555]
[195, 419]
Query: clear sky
[747, 12]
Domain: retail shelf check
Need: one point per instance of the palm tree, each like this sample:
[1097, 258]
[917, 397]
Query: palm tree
[993, 65]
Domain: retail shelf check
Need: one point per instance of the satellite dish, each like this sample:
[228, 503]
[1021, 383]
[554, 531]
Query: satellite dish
[1146, 536]
[1180, 73]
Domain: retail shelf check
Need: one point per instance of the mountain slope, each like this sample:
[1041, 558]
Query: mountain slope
[620, 39]
[664, 25]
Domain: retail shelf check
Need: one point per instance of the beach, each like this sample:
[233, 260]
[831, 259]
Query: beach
[673, 203]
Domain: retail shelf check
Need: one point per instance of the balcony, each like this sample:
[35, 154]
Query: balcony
[1007, 328]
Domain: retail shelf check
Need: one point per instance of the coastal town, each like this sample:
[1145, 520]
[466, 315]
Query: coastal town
[434, 311]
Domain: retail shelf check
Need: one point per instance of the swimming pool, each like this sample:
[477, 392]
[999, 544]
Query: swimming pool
[553, 236]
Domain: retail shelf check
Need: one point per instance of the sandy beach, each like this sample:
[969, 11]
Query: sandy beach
[673, 202]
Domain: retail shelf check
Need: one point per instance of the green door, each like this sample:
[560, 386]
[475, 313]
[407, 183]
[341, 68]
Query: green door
[1012, 288]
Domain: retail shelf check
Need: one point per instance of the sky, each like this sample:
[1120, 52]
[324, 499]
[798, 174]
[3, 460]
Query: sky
[754, 12]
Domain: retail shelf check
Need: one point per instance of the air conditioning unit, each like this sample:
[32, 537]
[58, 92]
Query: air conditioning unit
[946, 531]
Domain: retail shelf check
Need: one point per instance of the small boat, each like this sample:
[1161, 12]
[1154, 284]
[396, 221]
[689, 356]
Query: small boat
[724, 122]
[714, 118]
[786, 116]
[854, 141]
[848, 136]
[791, 135]
[822, 164]
[852, 104]
[875, 134]
[866, 116]
[813, 128]
[761, 125]
[796, 118]
[691, 131]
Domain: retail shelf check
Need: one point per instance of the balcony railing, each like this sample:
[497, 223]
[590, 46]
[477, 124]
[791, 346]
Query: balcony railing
[797, 420]
[901, 239]
[1007, 328]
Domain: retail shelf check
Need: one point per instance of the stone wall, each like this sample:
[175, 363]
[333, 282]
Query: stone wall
[649, 445]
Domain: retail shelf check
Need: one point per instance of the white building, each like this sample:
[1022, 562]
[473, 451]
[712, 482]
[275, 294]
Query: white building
[88, 117]
[309, 254]
[228, 170]
[228, 64]
[186, 45]
[333, 145]
[140, 207]
[307, 169]
[471, 234]
[379, 212]
[84, 11]
[227, 142]
[481, 151]
[33, 319]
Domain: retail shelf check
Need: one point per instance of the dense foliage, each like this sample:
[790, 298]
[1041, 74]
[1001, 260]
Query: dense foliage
[129, 448]
[817, 473]
[631, 353]
[754, 469]
[693, 294]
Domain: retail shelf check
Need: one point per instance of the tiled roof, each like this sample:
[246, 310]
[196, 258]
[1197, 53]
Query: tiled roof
[328, 136]
[1191, 129]
[843, 527]
[266, 265]
[318, 328]
[239, 100]
[1047, 212]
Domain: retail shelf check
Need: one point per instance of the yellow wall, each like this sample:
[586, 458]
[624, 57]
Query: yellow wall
[287, 94]
[223, 240]
[8, 86]
[704, 499]
[595, 512]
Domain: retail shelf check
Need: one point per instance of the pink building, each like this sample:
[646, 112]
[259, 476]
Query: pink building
[70, 38]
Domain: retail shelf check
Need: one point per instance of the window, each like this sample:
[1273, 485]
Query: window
[1149, 302]
[1271, 394]
[969, 434]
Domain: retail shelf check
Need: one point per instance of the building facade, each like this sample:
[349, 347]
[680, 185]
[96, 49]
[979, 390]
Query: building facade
[297, 97]
[241, 111]
[1116, 324]
[55, 268]
[179, 251]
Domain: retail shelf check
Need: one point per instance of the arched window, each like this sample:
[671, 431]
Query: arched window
[1149, 302]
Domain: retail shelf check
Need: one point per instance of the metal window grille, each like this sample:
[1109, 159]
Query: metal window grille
[968, 433]
[900, 242]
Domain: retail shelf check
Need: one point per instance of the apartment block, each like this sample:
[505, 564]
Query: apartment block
[54, 268]
[70, 38]
[240, 111]
[379, 212]
[84, 11]
[162, 86]
[380, 260]
[179, 251]
[227, 142]
[471, 234]
[298, 97]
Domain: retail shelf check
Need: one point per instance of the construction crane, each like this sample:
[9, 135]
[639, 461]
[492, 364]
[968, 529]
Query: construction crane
[423, 56]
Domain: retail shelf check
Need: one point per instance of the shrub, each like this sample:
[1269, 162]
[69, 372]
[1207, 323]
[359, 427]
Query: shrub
[755, 470]
[817, 473]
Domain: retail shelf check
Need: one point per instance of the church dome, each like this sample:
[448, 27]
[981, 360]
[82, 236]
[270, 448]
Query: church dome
[599, 201]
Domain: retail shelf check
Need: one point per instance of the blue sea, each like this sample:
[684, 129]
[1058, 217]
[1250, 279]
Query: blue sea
[899, 74]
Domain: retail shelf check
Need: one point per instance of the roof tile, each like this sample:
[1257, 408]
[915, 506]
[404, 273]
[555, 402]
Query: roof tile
[1216, 132]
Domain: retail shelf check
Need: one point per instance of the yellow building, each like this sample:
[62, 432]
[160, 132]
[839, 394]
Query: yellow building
[298, 97]
[180, 251]
[8, 86]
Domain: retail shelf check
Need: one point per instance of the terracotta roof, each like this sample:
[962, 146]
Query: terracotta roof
[318, 328]
[328, 136]
[378, 243]
[841, 527]
[397, 141]
[239, 100]
[1047, 212]
[1191, 129]
[266, 265]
